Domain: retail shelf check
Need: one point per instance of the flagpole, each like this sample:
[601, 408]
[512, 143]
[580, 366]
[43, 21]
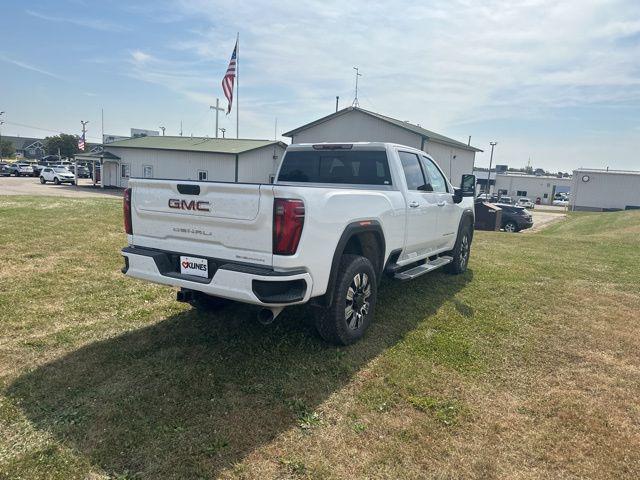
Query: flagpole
[238, 85]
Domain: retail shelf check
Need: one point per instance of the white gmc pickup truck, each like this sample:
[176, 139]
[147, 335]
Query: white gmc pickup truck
[337, 218]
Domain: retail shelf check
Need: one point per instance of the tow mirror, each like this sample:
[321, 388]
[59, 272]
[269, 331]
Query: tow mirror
[468, 185]
[467, 188]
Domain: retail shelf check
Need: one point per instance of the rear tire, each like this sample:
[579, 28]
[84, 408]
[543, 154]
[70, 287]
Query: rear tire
[461, 250]
[207, 303]
[355, 293]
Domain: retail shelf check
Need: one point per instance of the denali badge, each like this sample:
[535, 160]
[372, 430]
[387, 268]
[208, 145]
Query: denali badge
[199, 205]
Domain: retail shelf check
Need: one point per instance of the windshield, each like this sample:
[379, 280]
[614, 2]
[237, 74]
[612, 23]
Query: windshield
[360, 167]
[60, 170]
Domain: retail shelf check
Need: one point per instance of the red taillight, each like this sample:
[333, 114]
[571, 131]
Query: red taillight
[126, 208]
[288, 220]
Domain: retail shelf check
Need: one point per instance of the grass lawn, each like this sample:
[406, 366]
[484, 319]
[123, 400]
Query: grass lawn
[527, 366]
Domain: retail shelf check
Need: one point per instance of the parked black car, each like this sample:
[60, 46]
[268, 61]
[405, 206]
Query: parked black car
[515, 218]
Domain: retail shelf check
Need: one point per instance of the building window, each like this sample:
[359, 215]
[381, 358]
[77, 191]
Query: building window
[147, 171]
[124, 171]
[502, 192]
[522, 193]
[546, 195]
[202, 175]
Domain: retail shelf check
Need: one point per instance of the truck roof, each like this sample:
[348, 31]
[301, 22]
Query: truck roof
[376, 145]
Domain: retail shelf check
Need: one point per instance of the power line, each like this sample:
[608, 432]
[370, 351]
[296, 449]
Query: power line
[50, 130]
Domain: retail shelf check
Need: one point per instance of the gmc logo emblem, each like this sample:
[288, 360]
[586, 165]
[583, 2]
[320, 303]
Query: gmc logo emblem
[200, 206]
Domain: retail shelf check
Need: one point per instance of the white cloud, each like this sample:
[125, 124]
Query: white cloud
[443, 64]
[28, 66]
[138, 56]
[436, 63]
[86, 22]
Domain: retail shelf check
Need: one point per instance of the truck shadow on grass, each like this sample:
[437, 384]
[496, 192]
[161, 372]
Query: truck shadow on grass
[196, 393]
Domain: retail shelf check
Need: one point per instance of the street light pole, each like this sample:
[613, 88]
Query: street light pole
[162, 128]
[222, 129]
[493, 144]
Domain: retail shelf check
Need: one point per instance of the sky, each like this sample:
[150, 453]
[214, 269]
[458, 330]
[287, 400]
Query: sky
[556, 84]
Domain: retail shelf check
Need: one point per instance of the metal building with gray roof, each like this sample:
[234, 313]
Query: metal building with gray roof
[188, 158]
[355, 124]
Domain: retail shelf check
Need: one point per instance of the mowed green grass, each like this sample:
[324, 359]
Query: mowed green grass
[526, 366]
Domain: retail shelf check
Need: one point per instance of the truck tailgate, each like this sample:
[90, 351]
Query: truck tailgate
[231, 221]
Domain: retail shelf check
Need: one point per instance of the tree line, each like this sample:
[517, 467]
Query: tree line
[66, 144]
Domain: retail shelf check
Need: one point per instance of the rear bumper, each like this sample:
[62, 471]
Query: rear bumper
[236, 281]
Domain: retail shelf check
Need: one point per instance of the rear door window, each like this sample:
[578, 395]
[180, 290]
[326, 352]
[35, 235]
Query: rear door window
[413, 172]
[436, 179]
[356, 167]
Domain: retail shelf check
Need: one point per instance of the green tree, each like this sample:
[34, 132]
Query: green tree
[6, 149]
[68, 145]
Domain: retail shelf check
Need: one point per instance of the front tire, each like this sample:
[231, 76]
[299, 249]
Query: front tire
[355, 293]
[461, 250]
[56, 180]
[42, 180]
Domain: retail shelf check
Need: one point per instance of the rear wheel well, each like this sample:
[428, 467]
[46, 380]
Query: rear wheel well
[357, 239]
[366, 244]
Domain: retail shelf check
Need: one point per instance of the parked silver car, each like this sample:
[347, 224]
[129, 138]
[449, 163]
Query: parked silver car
[20, 169]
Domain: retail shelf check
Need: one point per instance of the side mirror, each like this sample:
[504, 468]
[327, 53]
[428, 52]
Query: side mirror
[467, 188]
[468, 185]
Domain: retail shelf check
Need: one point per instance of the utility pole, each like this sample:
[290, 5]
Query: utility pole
[217, 110]
[493, 144]
[84, 134]
[1, 123]
[222, 129]
[355, 100]
[162, 128]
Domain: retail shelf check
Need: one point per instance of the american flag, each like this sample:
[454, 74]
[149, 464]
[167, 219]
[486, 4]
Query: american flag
[229, 78]
[81, 144]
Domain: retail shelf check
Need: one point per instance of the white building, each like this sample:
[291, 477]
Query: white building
[531, 186]
[354, 124]
[188, 158]
[605, 190]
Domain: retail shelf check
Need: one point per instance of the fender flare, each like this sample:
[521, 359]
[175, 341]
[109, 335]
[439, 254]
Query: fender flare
[354, 228]
[467, 216]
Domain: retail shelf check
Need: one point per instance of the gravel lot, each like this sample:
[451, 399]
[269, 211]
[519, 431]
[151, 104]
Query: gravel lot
[545, 218]
[32, 186]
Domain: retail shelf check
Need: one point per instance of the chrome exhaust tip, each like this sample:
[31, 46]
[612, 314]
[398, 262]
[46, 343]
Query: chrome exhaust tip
[266, 316]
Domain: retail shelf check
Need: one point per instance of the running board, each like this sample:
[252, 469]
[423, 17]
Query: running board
[424, 268]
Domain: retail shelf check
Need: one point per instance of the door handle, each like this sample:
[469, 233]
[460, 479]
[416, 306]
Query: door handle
[414, 204]
[441, 204]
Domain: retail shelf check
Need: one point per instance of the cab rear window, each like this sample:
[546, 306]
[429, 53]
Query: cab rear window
[356, 167]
